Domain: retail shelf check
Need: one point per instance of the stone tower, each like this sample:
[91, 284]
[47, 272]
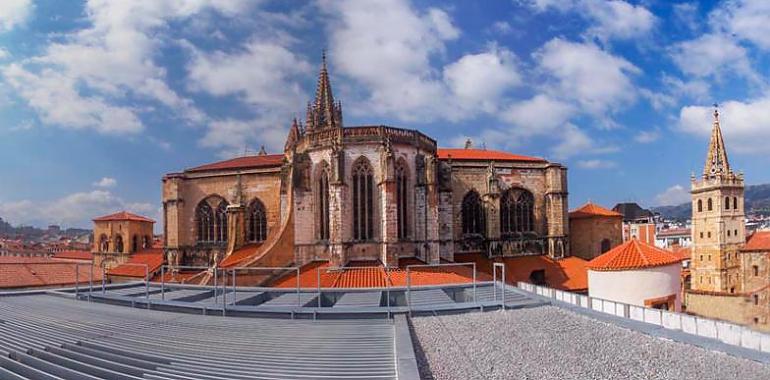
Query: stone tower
[718, 231]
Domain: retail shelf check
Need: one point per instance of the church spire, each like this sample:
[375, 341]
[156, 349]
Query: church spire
[324, 112]
[717, 163]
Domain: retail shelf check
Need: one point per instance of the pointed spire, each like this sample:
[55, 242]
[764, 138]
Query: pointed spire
[294, 135]
[324, 112]
[717, 163]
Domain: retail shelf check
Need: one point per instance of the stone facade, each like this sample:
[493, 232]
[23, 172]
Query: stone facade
[367, 193]
[592, 236]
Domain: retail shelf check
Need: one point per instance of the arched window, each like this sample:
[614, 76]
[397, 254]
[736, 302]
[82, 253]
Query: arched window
[606, 245]
[727, 203]
[104, 243]
[119, 243]
[401, 200]
[204, 216]
[710, 204]
[517, 212]
[220, 218]
[363, 201]
[257, 222]
[323, 202]
[473, 214]
[146, 242]
[700, 205]
[735, 203]
[134, 243]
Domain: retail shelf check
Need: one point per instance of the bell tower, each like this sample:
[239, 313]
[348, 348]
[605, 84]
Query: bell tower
[718, 228]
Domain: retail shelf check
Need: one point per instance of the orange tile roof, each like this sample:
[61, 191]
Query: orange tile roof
[246, 162]
[633, 254]
[31, 273]
[239, 255]
[759, 241]
[674, 232]
[153, 257]
[359, 276]
[74, 255]
[123, 215]
[685, 253]
[459, 154]
[565, 274]
[590, 210]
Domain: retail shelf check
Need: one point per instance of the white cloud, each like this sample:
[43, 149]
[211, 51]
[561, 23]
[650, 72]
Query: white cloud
[596, 164]
[4, 54]
[646, 137]
[745, 125]
[594, 78]
[478, 80]
[14, 13]
[110, 61]
[710, 55]
[386, 47]
[106, 182]
[615, 19]
[75, 209]
[673, 196]
[501, 27]
[540, 115]
[235, 136]
[746, 19]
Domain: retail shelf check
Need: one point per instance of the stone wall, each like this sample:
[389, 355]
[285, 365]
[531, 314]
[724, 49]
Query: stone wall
[587, 234]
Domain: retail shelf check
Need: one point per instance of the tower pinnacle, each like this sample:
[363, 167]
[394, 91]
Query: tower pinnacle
[717, 163]
[324, 112]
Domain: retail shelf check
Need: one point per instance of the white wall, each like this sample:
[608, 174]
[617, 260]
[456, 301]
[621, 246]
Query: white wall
[635, 286]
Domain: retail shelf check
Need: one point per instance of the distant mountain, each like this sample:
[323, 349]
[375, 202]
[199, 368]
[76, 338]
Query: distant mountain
[757, 202]
[30, 233]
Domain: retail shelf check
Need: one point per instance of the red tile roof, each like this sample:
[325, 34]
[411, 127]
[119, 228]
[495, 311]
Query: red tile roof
[759, 241]
[565, 274]
[123, 215]
[245, 162]
[239, 255]
[74, 255]
[44, 273]
[152, 257]
[685, 253]
[633, 254]
[674, 232]
[590, 210]
[482, 155]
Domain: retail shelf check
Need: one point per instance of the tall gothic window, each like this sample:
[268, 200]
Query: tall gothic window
[710, 204]
[517, 212]
[473, 214]
[401, 200]
[735, 203]
[727, 203]
[119, 243]
[204, 218]
[323, 203]
[363, 201]
[220, 218]
[700, 205]
[257, 222]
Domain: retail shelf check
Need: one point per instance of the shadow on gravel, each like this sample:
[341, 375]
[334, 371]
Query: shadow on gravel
[422, 360]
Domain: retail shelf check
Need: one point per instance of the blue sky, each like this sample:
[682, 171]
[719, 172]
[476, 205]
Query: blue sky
[98, 99]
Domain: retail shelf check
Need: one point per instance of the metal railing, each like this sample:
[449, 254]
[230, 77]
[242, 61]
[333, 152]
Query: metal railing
[494, 282]
[409, 279]
[146, 279]
[386, 270]
[163, 278]
[253, 269]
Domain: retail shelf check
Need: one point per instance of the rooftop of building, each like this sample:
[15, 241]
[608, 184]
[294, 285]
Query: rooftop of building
[592, 210]
[674, 232]
[631, 255]
[151, 259]
[123, 216]
[74, 255]
[632, 211]
[256, 161]
[758, 241]
[564, 274]
[35, 272]
[470, 154]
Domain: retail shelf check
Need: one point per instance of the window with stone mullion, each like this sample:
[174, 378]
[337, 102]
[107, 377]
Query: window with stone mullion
[323, 204]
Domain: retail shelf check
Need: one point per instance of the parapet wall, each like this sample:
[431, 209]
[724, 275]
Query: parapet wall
[725, 332]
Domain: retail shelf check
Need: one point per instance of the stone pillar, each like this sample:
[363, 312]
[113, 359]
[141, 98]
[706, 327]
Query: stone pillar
[492, 210]
[432, 211]
[557, 214]
[338, 208]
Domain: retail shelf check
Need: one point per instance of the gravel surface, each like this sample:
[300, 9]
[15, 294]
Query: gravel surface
[551, 343]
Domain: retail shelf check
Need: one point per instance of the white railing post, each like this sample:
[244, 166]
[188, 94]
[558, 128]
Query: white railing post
[318, 284]
[162, 282]
[474, 283]
[216, 286]
[77, 281]
[299, 301]
[408, 291]
[235, 295]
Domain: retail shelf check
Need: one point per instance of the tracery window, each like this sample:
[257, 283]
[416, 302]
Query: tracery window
[256, 222]
[363, 201]
[401, 200]
[473, 214]
[517, 212]
[211, 224]
[323, 203]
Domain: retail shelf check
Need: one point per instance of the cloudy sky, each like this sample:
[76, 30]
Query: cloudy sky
[98, 99]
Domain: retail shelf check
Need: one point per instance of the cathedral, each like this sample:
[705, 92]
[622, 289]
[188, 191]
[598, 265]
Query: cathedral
[371, 193]
[729, 276]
